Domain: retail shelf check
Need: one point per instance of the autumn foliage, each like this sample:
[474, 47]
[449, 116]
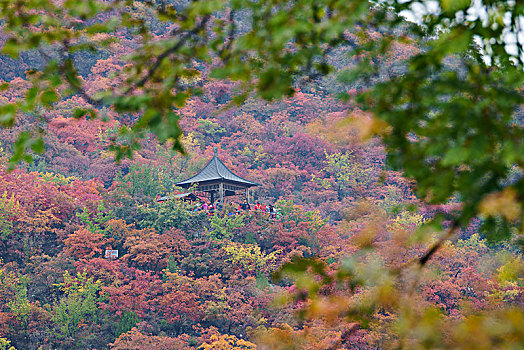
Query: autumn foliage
[338, 268]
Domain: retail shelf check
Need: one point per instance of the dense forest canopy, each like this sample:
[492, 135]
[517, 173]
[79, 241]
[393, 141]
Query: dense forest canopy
[388, 135]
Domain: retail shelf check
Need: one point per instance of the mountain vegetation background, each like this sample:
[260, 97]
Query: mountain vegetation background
[392, 150]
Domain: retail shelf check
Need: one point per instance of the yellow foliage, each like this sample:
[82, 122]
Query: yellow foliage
[335, 128]
[78, 284]
[10, 211]
[350, 174]
[313, 337]
[58, 179]
[497, 330]
[512, 271]
[329, 308]
[227, 342]
[407, 219]
[501, 203]
[511, 279]
[316, 220]
[190, 141]
[257, 154]
[6, 344]
[3, 158]
[250, 256]
[369, 126]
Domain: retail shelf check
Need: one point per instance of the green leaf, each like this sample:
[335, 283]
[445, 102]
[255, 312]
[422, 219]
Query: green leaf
[49, 97]
[38, 145]
[83, 112]
[452, 6]
[455, 156]
[11, 48]
[8, 114]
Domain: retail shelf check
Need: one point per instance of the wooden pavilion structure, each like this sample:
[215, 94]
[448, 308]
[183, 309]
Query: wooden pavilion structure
[218, 181]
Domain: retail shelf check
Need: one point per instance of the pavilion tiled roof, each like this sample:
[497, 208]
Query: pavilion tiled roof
[215, 170]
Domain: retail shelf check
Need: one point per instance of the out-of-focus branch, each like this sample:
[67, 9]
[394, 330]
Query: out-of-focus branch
[166, 53]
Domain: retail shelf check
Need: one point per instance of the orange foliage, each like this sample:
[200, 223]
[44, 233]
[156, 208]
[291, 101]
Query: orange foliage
[152, 251]
[135, 340]
[83, 244]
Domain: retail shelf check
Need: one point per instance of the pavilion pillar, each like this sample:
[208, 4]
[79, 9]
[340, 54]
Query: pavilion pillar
[221, 192]
[212, 197]
[247, 196]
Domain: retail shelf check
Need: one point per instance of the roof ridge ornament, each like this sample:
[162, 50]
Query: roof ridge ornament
[216, 161]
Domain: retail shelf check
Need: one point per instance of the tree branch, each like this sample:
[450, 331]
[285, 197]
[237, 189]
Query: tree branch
[165, 54]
